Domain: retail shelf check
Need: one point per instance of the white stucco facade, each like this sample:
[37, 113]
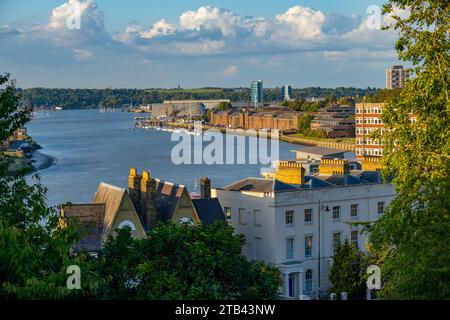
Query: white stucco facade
[263, 218]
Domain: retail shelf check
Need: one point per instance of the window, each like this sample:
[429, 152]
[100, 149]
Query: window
[308, 246]
[126, 223]
[354, 210]
[380, 207]
[227, 212]
[354, 237]
[289, 248]
[308, 281]
[257, 217]
[308, 215]
[241, 216]
[336, 213]
[336, 240]
[289, 217]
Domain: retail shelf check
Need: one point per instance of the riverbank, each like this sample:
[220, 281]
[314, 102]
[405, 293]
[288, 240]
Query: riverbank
[37, 162]
[41, 161]
[294, 139]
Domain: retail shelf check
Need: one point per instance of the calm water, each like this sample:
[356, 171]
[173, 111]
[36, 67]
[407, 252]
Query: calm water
[92, 147]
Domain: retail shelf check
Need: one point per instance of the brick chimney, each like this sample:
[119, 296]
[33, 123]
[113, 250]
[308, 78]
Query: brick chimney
[134, 186]
[205, 188]
[291, 172]
[330, 167]
[148, 201]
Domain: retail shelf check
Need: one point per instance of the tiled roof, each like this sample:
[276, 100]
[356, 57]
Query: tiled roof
[112, 197]
[91, 218]
[208, 210]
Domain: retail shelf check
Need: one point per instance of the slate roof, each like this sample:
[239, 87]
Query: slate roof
[259, 185]
[91, 228]
[209, 210]
[167, 197]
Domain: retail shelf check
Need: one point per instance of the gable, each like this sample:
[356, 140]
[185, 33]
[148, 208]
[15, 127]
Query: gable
[185, 208]
[126, 215]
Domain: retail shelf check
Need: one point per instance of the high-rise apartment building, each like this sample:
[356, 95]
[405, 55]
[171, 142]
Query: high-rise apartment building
[367, 120]
[286, 92]
[256, 91]
[396, 77]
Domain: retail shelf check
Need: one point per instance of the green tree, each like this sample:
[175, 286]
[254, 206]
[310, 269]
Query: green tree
[185, 262]
[34, 250]
[224, 105]
[304, 123]
[347, 272]
[414, 233]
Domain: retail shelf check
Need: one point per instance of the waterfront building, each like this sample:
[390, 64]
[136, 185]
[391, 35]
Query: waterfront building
[286, 93]
[336, 121]
[190, 110]
[296, 227]
[256, 92]
[396, 77]
[207, 103]
[267, 117]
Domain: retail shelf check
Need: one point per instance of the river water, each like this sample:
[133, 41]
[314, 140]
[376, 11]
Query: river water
[93, 147]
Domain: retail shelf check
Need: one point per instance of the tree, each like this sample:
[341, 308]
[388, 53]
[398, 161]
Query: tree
[304, 123]
[347, 272]
[224, 105]
[185, 262]
[34, 251]
[414, 232]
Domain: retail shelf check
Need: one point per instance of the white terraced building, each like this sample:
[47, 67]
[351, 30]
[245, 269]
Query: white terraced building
[297, 227]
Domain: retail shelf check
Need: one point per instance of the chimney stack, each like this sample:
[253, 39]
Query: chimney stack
[205, 188]
[148, 201]
[134, 186]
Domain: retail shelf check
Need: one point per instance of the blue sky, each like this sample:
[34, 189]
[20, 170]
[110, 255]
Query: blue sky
[193, 43]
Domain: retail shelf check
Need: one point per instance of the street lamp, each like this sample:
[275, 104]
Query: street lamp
[325, 208]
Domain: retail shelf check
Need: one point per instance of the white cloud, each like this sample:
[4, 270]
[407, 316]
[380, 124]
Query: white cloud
[76, 21]
[81, 54]
[160, 28]
[208, 31]
[300, 23]
[211, 19]
[231, 70]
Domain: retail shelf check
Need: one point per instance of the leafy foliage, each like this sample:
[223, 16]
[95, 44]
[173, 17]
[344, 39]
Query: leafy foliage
[89, 98]
[185, 262]
[414, 232]
[34, 252]
[347, 271]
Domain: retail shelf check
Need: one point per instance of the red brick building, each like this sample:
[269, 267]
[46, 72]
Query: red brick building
[271, 117]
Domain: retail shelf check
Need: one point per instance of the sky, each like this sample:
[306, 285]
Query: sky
[215, 43]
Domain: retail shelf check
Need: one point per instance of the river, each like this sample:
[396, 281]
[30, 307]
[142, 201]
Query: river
[93, 147]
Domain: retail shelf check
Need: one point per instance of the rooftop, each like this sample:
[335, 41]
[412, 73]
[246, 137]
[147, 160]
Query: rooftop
[259, 185]
[320, 151]
[209, 210]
